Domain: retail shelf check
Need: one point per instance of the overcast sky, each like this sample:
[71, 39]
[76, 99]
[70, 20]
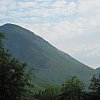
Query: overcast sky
[73, 26]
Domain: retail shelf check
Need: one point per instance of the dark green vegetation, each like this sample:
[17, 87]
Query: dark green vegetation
[14, 80]
[49, 63]
[72, 89]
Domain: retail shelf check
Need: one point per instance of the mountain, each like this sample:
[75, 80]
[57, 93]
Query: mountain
[48, 62]
[98, 70]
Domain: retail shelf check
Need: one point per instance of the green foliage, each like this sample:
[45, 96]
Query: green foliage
[95, 87]
[50, 93]
[13, 77]
[1, 37]
[72, 89]
[95, 84]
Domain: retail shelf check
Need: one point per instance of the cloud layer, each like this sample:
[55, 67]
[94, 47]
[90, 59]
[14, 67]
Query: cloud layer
[70, 25]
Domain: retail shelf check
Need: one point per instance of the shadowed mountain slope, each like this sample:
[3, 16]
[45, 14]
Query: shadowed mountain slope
[48, 62]
[98, 70]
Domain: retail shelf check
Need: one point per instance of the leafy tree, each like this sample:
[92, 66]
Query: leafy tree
[95, 84]
[72, 89]
[50, 93]
[14, 80]
[95, 88]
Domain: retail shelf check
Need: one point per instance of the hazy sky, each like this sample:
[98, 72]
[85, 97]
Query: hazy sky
[72, 26]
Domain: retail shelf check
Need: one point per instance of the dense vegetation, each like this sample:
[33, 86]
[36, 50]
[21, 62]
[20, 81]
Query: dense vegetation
[14, 80]
[72, 89]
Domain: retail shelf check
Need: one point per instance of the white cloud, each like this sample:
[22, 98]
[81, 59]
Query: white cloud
[26, 4]
[87, 5]
[63, 8]
[90, 50]
[6, 5]
[96, 21]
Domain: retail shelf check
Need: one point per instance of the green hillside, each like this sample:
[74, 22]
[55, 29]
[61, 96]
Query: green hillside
[48, 62]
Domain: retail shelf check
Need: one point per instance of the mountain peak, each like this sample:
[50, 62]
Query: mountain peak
[15, 27]
[10, 24]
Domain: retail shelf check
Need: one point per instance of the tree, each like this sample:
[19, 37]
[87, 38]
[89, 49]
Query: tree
[14, 80]
[95, 84]
[50, 93]
[72, 89]
[95, 87]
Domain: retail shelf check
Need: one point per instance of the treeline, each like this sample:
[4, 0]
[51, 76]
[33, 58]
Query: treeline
[15, 83]
[72, 89]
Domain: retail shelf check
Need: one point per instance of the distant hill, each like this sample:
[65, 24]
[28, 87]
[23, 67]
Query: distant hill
[98, 70]
[48, 62]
